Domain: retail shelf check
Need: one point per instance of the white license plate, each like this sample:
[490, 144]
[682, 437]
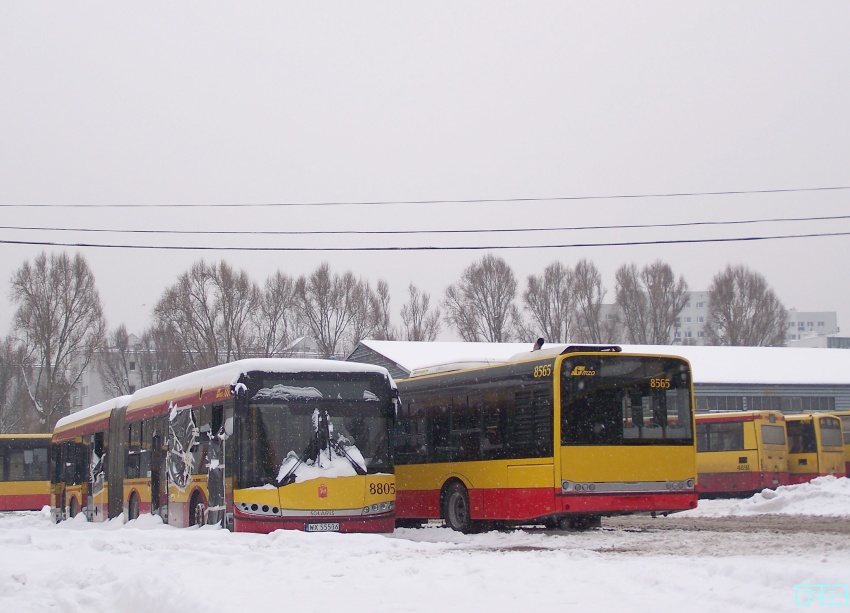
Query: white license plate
[322, 527]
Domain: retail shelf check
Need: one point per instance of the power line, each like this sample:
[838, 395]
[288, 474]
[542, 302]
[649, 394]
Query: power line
[431, 248]
[462, 201]
[442, 231]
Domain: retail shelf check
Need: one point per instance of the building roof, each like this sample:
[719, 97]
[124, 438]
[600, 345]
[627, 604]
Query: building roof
[718, 365]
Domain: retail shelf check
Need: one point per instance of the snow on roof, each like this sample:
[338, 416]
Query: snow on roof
[228, 374]
[93, 411]
[729, 365]
[412, 355]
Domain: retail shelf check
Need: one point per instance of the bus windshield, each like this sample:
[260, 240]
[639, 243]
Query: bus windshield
[625, 400]
[310, 427]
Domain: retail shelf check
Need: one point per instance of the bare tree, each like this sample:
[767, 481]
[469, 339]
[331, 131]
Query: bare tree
[276, 320]
[161, 355]
[187, 309]
[481, 306]
[549, 299]
[589, 293]
[61, 324]
[16, 414]
[420, 323]
[650, 300]
[328, 305]
[237, 297]
[382, 327]
[210, 311]
[744, 311]
[113, 362]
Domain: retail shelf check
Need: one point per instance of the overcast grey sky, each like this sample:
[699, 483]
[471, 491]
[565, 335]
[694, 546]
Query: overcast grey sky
[106, 103]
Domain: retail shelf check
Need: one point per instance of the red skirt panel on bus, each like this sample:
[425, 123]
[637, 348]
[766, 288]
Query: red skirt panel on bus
[627, 503]
[24, 502]
[509, 504]
[729, 483]
[264, 525]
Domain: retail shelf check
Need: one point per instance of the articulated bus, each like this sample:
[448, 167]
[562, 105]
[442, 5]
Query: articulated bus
[24, 472]
[815, 446]
[255, 445]
[558, 437]
[844, 416]
[741, 452]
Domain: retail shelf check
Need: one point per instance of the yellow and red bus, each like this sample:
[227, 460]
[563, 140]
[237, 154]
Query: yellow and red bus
[741, 452]
[24, 472]
[85, 462]
[844, 416]
[558, 437]
[255, 445]
[815, 446]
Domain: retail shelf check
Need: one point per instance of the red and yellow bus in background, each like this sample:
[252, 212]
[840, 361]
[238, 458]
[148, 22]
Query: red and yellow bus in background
[815, 446]
[559, 437]
[844, 416]
[741, 452]
[86, 464]
[255, 445]
[24, 472]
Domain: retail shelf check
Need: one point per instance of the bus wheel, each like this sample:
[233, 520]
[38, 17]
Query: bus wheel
[196, 510]
[72, 508]
[456, 508]
[133, 507]
[585, 522]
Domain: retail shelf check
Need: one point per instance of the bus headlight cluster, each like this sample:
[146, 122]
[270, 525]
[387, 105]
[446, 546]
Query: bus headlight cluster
[379, 507]
[258, 509]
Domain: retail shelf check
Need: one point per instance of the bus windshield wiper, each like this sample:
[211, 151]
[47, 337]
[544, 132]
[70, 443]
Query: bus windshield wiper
[310, 452]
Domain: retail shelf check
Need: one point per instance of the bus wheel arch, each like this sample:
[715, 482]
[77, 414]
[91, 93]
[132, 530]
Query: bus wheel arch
[197, 508]
[133, 505]
[454, 506]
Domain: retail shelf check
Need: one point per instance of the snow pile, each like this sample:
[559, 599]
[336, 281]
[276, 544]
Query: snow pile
[143, 565]
[826, 496]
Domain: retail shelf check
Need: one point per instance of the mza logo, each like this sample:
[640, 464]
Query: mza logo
[323, 491]
[581, 371]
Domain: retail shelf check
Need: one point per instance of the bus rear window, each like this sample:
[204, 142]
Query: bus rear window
[626, 400]
[772, 435]
[830, 432]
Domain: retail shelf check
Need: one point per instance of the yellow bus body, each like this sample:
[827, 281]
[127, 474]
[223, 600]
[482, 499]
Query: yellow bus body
[740, 460]
[572, 482]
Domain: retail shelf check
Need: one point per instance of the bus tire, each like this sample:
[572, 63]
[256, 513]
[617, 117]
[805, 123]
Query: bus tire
[456, 508]
[133, 507]
[196, 510]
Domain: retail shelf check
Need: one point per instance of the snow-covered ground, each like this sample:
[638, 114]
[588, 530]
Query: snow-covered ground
[145, 566]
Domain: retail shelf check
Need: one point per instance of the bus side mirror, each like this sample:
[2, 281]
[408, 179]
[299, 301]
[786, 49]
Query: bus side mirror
[228, 426]
[240, 391]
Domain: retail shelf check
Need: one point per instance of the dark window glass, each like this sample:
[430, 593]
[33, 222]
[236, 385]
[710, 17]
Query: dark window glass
[501, 413]
[801, 436]
[291, 419]
[830, 432]
[772, 435]
[626, 400]
[724, 436]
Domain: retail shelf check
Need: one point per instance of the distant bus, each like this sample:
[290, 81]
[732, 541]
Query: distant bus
[741, 452]
[558, 437]
[86, 463]
[24, 472]
[844, 416]
[255, 445]
[815, 446]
